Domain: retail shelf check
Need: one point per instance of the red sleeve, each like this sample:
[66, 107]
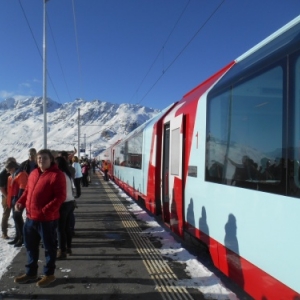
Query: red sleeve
[22, 199]
[22, 180]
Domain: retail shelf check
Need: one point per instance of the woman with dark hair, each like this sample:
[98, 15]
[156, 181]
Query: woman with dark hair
[64, 232]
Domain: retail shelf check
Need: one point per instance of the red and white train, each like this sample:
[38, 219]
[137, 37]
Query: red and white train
[223, 164]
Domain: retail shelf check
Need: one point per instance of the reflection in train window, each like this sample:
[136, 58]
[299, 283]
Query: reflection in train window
[294, 188]
[129, 153]
[244, 133]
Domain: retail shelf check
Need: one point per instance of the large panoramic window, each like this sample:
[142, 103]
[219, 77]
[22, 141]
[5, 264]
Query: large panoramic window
[294, 181]
[245, 133]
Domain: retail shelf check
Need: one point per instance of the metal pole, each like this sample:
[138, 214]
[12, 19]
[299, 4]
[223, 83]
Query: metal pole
[45, 78]
[78, 133]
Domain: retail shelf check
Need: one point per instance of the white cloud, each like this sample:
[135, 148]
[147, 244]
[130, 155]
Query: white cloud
[25, 85]
[6, 94]
[37, 80]
[24, 90]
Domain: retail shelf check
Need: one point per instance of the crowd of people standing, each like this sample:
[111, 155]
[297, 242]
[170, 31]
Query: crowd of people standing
[46, 185]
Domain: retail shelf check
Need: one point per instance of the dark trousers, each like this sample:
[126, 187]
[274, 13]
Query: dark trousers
[106, 175]
[5, 215]
[33, 232]
[85, 179]
[64, 232]
[77, 187]
[19, 223]
[72, 225]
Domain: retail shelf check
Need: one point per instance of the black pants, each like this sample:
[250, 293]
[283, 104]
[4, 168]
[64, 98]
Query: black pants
[64, 233]
[106, 175]
[77, 186]
[85, 180]
[19, 223]
[5, 216]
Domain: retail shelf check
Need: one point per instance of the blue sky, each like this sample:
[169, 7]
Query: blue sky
[150, 52]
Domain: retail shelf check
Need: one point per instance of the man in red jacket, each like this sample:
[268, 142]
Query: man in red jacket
[43, 196]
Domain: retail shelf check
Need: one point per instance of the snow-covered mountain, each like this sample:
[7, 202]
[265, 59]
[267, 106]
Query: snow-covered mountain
[101, 124]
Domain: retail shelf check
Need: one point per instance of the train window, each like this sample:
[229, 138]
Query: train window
[175, 142]
[244, 133]
[217, 136]
[294, 172]
[129, 153]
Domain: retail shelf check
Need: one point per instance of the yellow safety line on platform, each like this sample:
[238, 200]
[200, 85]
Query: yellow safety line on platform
[156, 266]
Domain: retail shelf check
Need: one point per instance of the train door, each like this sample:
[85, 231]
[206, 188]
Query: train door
[165, 174]
[172, 173]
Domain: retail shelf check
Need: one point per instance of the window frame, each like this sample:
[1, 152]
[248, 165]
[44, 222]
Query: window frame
[246, 76]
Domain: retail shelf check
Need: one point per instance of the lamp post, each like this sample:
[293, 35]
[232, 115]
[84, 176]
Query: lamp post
[78, 133]
[45, 77]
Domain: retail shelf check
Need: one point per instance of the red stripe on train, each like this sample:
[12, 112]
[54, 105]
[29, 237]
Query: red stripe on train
[253, 280]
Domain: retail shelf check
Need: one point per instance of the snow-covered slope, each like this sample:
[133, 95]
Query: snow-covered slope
[101, 124]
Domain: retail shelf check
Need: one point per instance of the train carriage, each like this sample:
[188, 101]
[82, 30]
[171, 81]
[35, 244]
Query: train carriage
[136, 163]
[223, 165]
[233, 182]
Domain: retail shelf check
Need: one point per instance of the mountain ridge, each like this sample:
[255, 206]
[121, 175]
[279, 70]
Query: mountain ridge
[101, 124]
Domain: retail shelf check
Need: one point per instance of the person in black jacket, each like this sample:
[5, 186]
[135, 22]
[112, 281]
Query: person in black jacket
[29, 164]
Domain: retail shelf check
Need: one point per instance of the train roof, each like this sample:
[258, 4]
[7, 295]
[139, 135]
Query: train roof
[285, 41]
[146, 123]
[277, 39]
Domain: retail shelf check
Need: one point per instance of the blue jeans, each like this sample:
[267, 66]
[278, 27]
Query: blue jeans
[34, 232]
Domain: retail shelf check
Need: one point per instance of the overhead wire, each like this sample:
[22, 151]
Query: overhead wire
[162, 49]
[59, 61]
[77, 48]
[182, 50]
[36, 44]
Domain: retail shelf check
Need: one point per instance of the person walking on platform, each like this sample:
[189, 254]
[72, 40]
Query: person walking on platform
[85, 173]
[94, 165]
[43, 196]
[64, 232]
[105, 168]
[78, 176]
[15, 187]
[6, 210]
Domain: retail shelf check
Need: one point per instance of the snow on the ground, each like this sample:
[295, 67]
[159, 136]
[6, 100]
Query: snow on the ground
[7, 252]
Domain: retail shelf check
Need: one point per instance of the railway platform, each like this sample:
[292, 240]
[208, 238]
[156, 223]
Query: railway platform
[110, 258]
